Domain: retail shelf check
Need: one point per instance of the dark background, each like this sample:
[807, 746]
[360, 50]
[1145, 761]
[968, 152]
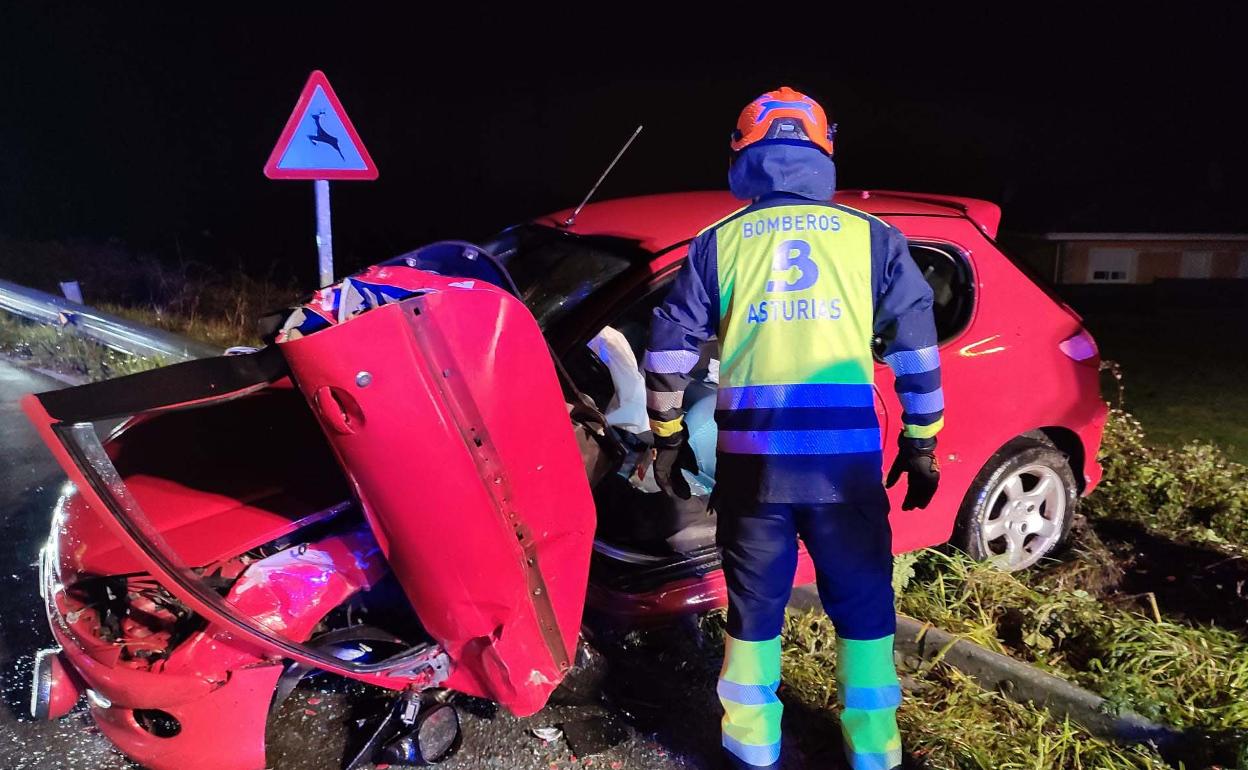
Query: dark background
[150, 126]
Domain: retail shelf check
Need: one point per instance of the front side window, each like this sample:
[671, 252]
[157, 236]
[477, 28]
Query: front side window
[556, 270]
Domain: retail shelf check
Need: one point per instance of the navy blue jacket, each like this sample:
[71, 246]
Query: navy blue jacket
[774, 176]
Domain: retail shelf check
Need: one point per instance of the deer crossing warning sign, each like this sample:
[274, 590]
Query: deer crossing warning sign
[319, 141]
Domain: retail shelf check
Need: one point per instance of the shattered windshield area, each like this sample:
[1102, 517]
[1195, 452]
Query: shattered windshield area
[556, 270]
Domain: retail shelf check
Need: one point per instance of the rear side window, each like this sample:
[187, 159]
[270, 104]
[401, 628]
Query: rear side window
[953, 287]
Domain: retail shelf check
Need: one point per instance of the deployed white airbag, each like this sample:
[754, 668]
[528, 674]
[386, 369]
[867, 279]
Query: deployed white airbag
[627, 410]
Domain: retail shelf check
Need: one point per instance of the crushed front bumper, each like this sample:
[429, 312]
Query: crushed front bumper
[158, 718]
[172, 713]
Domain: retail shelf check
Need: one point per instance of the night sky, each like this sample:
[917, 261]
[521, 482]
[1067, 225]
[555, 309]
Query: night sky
[151, 126]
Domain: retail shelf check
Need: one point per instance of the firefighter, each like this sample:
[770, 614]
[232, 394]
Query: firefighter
[794, 288]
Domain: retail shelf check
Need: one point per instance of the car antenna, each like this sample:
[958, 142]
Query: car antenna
[568, 222]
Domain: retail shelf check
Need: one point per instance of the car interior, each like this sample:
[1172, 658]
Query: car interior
[638, 525]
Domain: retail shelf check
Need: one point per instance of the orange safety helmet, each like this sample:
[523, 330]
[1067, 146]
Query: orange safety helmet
[783, 115]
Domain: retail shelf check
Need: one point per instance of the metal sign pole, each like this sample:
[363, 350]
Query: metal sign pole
[324, 234]
[319, 144]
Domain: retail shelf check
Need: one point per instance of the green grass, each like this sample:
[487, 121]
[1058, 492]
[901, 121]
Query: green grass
[1179, 674]
[1182, 675]
[222, 310]
[949, 722]
[222, 331]
[1185, 374]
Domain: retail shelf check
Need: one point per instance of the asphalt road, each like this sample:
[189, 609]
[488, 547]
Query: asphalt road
[29, 483]
[668, 691]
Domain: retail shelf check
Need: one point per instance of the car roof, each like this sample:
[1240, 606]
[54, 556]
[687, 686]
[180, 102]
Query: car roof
[661, 220]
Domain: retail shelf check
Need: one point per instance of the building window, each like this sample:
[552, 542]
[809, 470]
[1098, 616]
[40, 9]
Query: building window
[1112, 265]
[1242, 272]
[1196, 264]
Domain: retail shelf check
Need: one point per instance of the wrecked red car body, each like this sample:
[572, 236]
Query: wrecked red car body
[399, 498]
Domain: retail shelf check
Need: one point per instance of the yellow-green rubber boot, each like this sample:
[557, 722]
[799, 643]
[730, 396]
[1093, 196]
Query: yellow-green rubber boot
[870, 694]
[747, 689]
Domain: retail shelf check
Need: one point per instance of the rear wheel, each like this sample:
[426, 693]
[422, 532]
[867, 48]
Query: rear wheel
[1020, 507]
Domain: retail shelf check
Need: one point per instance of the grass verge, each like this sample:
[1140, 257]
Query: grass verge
[1068, 619]
[949, 722]
[1183, 675]
[63, 351]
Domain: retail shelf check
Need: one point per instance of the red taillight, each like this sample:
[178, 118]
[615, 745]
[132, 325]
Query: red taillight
[1081, 347]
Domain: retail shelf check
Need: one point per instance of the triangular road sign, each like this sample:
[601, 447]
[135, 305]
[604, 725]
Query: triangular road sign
[319, 141]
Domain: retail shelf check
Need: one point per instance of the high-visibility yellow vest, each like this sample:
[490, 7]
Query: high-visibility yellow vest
[796, 322]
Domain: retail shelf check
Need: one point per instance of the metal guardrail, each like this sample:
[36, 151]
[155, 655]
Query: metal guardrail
[113, 331]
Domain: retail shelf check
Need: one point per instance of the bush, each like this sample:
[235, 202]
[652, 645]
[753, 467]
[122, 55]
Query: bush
[188, 297]
[1191, 492]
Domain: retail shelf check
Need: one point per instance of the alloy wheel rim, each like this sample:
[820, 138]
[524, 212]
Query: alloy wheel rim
[1025, 517]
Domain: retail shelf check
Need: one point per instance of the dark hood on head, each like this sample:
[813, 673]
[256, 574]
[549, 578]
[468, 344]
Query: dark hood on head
[763, 169]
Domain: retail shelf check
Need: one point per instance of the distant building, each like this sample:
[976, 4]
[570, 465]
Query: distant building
[1135, 258]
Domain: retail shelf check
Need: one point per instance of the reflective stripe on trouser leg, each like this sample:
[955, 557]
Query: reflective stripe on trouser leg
[747, 689]
[870, 694]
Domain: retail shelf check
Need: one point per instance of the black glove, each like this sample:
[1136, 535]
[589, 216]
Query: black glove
[917, 459]
[671, 454]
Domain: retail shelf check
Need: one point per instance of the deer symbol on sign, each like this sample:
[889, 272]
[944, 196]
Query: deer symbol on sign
[322, 136]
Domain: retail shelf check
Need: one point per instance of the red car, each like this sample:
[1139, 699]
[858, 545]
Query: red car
[404, 498]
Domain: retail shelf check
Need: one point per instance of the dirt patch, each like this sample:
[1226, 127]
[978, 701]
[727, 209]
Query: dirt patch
[1088, 564]
[1189, 582]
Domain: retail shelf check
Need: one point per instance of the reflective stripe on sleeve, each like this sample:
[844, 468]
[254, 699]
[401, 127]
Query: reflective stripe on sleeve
[923, 403]
[670, 361]
[660, 401]
[666, 428]
[904, 362]
[925, 431]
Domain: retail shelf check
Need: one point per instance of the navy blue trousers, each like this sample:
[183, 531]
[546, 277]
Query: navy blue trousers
[850, 544]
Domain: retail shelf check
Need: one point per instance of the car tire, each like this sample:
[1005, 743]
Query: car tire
[1020, 507]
